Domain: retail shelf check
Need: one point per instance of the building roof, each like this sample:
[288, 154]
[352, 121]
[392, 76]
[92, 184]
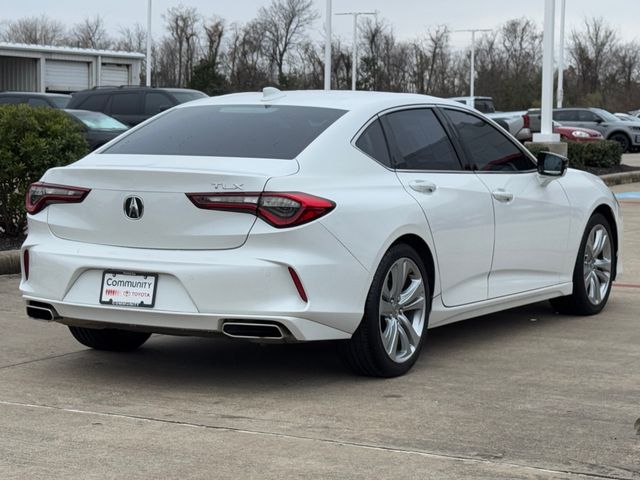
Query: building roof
[68, 50]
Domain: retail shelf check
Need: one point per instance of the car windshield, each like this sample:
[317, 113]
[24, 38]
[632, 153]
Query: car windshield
[60, 102]
[249, 131]
[608, 117]
[97, 120]
[184, 97]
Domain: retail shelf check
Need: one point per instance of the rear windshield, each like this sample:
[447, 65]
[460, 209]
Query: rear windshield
[97, 120]
[249, 131]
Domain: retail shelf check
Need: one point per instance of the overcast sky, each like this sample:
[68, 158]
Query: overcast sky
[409, 18]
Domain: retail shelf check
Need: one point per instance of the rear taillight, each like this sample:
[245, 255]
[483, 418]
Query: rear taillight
[41, 194]
[279, 209]
[527, 121]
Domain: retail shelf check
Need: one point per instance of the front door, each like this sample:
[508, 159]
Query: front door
[532, 218]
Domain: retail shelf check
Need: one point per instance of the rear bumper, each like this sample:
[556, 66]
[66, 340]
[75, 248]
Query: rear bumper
[199, 290]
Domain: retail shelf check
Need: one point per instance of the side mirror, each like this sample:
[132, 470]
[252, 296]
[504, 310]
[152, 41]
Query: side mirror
[552, 164]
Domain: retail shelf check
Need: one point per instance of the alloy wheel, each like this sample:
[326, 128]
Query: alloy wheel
[402, 310]
[597, 264]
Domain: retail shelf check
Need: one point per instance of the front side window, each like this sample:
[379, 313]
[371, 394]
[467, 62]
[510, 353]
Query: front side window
[487, 149]
[95, 103]
[587, 116]
[155, 102]
[125, 104]
[420, 141]
[373, 143]
[249, 131]
[37, 102]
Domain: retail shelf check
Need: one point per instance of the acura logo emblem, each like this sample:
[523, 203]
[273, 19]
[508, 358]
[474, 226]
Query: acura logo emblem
[133, 207]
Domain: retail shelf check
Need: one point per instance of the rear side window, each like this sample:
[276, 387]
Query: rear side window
[125, 104]
[250, 131]
[487, 148]
[565, 115]
[421, 142]
[373, 143]
[95, 103]
[11, 100]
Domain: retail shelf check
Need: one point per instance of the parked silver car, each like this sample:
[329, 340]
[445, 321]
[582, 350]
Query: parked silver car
[627, 133]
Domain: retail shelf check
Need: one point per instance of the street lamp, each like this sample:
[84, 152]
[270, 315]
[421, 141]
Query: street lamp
[546, 111]
[354, 70]
[560, 96]
[148, 63]
[327, 48]
[473, 56]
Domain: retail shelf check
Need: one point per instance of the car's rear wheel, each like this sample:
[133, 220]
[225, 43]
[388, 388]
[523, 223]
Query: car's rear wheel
[388, 341]
[593, 271]
[110, 339]
[623, 140]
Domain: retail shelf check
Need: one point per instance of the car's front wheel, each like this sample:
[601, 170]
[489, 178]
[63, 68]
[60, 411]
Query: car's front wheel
[593, 271]
[110, 339]
[388, 341]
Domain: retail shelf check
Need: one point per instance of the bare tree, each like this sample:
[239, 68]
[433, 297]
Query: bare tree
[284, 23]
[90, 33]
[132, 39]
[248, 63]
[182, 24]
[214, 31]
[34, 31]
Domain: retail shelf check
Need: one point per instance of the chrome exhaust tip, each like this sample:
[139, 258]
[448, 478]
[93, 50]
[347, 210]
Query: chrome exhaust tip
[267, 331]
[41, 311]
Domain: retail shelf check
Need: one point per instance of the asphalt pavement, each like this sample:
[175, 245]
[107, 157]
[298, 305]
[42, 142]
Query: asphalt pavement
[520, 394]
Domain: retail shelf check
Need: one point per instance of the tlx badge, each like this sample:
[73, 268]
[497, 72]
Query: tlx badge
[228, 186]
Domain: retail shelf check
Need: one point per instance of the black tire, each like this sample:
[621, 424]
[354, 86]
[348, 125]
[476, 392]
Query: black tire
[623, 140]
[110, 339]
[578, 302]
[364, 353]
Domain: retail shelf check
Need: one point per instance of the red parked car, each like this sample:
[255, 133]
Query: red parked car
[576, 134]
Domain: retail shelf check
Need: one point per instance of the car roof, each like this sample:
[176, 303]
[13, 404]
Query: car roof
[338, 99]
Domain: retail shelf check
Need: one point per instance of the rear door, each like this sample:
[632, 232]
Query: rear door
[456, 204]
[532, 219]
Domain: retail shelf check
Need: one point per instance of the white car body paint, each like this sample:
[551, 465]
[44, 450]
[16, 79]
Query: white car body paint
[215, 266]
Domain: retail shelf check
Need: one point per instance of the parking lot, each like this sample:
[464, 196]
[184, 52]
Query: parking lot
[519, 394]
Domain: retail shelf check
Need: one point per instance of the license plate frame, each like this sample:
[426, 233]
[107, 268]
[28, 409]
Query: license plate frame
[134, 292]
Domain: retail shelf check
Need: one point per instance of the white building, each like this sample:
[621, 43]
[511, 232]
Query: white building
[37, 68]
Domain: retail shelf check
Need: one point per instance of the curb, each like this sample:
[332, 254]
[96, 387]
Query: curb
[9, 262]
[621, 178]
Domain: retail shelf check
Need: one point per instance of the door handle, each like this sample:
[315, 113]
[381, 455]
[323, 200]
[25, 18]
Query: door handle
[502, 195]
[422, 186]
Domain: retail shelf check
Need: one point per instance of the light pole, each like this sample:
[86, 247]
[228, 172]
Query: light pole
[560, 96]
[546, 124]
[148, 62]
[472, 80]
[327, 48]
[354, 69]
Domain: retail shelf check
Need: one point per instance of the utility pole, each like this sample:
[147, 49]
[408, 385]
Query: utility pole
[354, 69]
[148, 59]
[546, 124]
[327, 48]
[472, 80]
[560, 95]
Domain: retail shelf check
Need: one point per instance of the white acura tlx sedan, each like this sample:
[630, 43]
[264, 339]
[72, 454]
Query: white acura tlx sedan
[296, 216]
